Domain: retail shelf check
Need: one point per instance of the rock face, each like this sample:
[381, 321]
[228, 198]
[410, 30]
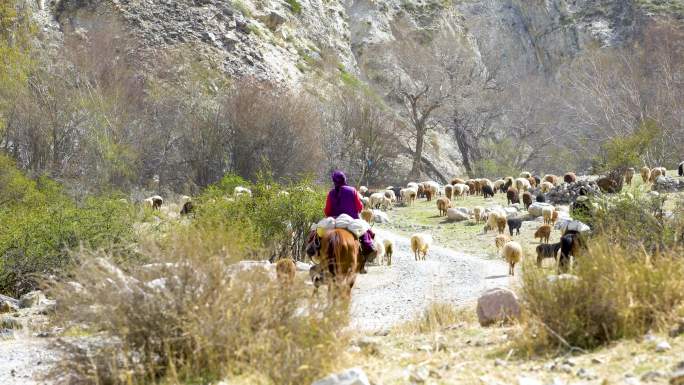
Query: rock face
[668, 184]
[497, 305]
[456, 215]
[354, 376]
[568, 193]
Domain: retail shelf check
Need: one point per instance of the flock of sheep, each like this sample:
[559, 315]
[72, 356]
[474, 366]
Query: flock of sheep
[528, 188]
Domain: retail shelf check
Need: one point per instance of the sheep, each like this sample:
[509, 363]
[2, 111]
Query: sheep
[412, 185]
[155, 202]
[285, 271]
[543, 233]
[513, 253]
[242, 191]
[547, 251]
[551, 179]
[408, 195]
[645, 174]
[655, 173]
[546, 186]
[472, 186]
[547, 213]
[522, 184]
[365, 201]
[487, 191]
[533, 182]
[525, 174]
[501, 224]
[537, 180]
[495, 217]
[433, 187]
[449, 191]
[385, 204]
[443, 204]
[514, 224]
[457, 181]
[187, 208]
[421, 190]
[680, 169]
[477, 213]
[428, 195]
[554, 217]
[420, 243]
[512, 195]
[389, 250]
[363, 190]
[629, 174]
[376, 199]
[458, 190]
[367, 215]
[378, 256]
[466, 191]
[501, 240]
[569, 177]
[498, 184]
[389, 194]
[570, 244]
[527, 199]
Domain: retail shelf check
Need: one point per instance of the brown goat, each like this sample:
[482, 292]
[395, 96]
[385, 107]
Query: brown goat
[512, 195]
[501, 224]
[527, 199]
[443, 204]
[543, 233]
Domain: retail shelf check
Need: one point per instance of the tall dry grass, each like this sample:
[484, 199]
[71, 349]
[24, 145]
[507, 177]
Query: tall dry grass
[194, 316]
[618, 294]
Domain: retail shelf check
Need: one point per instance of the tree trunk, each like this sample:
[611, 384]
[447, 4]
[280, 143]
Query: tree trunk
[464, 148]
[417, 155]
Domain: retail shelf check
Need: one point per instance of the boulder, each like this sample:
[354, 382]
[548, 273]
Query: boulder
[497, 305]
[464, 210]
[535, 208]
[274, 20]
[456, 215]
[667, 184]
[380, 217]
[354, 376]
[32, 299]
[8, 304]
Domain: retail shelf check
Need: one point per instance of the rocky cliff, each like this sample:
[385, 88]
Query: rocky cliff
[290, 40]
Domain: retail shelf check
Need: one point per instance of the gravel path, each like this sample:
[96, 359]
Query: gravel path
[22, 358]
[388, 295]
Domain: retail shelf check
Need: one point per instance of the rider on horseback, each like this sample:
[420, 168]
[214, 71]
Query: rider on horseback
[344, 199]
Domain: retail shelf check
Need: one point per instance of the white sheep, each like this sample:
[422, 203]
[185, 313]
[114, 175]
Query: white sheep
[495, 217]
[365, 201]
[433, 187]
[240, 191]
[498, 183]
[547, 214]
[376, 199]
[477, 213]
[512, 253]
[412, 185]
[363, 190]
[522, 184]
[420, 244]
[459, 190]
[525, 174]
[408, 195]
[389, 250]
[390, 194]
[546, 186]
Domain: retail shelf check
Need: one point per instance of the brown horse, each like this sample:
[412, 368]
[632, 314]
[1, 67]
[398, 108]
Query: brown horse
[339, 251]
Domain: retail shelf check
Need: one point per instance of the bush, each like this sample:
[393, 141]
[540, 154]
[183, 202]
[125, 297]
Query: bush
[618, 294]
[39, 224]
[276, 222]
[295, 6]
[192, 317]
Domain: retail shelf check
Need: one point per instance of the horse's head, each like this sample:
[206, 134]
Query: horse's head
[313, 245]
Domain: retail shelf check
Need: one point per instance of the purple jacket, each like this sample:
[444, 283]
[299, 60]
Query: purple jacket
[343, 200]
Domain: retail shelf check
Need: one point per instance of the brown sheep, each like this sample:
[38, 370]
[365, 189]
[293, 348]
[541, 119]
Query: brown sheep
[551, 179]
[645, 174]
[629, 174]
[543, 233]
[501, 224]
[428, 195]
[457, 181]
[570, 177]
[527, 199]
[472, 187]
[367, 215]
[655, 173]
[285, 271]
[512, 195]
[554, 217]
[501, 240]
[533, 182]
[443, 204]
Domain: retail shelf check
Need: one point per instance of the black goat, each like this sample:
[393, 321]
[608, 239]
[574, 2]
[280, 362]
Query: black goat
[514, 224]
[547, 250]
[487, 191]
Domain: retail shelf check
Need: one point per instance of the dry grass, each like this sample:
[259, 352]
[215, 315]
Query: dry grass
[436, 317]
[618, 294]
[192, 317]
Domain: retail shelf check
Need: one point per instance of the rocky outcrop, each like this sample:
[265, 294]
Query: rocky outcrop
[497, 305]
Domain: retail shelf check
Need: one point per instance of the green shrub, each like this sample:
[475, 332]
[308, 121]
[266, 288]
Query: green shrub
[276, 222]
[295, 6]
[202, 322]
[627, 151]
[39, 224]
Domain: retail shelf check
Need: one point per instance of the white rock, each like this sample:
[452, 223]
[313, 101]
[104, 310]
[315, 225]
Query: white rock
[302, 266]
[31, 299]
[535, 208]
[354, 376]
[380, 217]
[496, 305]
[663, 346]
[528, 381]
[456, 215]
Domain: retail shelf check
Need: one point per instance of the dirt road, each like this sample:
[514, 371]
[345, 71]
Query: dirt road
[388, 295]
